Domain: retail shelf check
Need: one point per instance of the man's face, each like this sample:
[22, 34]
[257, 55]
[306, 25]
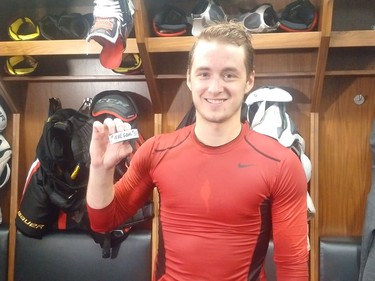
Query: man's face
[218, 81]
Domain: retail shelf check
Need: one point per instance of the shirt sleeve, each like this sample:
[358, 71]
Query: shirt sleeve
[289, 218]
[131, 192]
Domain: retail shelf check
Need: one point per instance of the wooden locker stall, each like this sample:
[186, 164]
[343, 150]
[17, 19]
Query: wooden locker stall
[326, 71]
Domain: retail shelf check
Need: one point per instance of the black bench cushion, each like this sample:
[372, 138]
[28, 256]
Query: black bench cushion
[74, 256]
[4, 237]
[339, 258]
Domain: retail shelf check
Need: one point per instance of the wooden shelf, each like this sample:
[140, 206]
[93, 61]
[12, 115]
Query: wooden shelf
[369, 72]
[169, 44]
[291, 40]
[357, 38]
[258, 75]
[87, 78]
[57, 47]
[295, 40]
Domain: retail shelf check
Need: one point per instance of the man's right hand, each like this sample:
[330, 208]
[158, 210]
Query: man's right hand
[103, 153]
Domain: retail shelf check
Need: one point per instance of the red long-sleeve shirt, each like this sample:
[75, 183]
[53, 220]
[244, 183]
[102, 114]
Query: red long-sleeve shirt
[218, 206]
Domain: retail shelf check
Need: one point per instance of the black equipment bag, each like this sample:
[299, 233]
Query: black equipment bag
[63, 152]
[54, 195]
[57, 179]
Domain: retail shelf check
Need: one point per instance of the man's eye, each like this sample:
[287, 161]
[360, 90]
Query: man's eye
[229, 76]
[202, 74]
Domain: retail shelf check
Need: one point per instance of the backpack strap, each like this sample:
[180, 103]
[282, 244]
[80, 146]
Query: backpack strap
[188, 119]
[110, 241]
[54, 105]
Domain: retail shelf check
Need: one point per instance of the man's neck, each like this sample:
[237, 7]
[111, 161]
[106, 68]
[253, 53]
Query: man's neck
[216, 134]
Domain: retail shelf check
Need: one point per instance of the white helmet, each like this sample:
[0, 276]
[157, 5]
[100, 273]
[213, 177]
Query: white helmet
[272, 120]
[3, 119]
[269, 117]
[261, 19]
[6, 153]
[205, 13]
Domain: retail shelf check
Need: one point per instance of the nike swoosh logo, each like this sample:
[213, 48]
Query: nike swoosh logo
[241, 165]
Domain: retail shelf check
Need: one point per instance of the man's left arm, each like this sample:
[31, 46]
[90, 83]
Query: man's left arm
[289, 221]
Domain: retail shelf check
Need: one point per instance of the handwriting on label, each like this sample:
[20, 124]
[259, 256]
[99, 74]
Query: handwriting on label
[124, 136]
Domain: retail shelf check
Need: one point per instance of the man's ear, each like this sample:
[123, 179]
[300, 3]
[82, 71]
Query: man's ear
[250, 82]
[188, 80]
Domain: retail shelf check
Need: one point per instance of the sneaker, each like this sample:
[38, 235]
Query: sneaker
[113, 22]
[128, 17]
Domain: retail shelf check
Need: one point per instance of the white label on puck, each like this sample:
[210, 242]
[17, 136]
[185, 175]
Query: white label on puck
[124, 136]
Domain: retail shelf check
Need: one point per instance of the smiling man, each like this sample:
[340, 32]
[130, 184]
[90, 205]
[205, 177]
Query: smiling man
[223, 187]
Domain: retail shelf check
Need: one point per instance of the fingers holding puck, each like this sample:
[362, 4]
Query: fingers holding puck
[120, 131]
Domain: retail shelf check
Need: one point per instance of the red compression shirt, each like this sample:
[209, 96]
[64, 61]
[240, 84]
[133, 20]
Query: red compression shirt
[218, 206]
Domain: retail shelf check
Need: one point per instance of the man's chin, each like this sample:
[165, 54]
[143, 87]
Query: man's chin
[214, 118]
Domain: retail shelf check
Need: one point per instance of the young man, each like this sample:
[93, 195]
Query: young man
[223, 187]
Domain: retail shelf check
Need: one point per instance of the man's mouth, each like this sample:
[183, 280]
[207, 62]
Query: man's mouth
[215, 101]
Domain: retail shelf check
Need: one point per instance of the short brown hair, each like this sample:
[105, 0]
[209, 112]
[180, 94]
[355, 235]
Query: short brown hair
[230, 33]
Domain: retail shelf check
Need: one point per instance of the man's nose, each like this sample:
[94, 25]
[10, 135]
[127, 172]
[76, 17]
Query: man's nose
[216, 85]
